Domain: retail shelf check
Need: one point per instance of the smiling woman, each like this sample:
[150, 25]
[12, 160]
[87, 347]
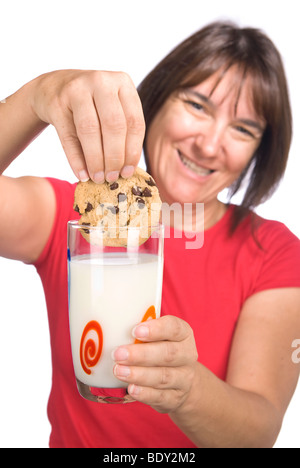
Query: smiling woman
[212, 53]
[216, 368]
[204, 140]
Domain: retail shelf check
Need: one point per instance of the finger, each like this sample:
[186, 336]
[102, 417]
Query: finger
[163, 353]
[167, 327]
[89, 133]
[158, 377]
[162, 400]
[113, 129]
[135, 127]
[67, 134]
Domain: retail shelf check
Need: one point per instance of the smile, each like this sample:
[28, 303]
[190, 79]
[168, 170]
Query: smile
[201, 171]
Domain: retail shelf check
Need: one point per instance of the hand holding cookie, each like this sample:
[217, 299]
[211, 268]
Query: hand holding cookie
[98, 117]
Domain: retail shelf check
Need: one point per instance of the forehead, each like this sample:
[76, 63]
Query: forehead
[231, 87]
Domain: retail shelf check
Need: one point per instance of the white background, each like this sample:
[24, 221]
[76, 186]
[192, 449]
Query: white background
[130, 35]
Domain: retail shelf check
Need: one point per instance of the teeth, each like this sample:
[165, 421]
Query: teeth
[193, 167]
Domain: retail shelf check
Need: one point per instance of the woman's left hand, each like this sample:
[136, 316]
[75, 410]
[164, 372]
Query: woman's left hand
[160, 371]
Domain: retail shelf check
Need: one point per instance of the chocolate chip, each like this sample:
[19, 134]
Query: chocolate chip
[140, 202]
[136, 191]
[122, 197]
[77, 209]
[151, 182]
[113, 209]
[86, 230]
[146, 192]
[114, 186]
[89, 207]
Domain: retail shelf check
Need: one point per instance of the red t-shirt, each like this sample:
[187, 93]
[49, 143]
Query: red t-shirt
[205, 287]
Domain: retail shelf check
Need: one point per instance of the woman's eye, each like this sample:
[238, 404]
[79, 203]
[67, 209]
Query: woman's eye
[244, 130]
[195, 105]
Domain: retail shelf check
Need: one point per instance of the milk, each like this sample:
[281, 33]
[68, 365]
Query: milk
[108, 296]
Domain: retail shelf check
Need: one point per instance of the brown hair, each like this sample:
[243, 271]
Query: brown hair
[217, 47]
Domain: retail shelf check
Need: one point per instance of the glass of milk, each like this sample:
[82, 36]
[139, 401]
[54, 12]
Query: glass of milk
[111, 290]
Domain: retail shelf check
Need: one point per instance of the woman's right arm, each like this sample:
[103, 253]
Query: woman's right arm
[99, 120]
[25, 223]
[19, 125]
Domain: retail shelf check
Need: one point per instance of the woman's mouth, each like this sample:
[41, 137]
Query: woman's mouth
[200, 171]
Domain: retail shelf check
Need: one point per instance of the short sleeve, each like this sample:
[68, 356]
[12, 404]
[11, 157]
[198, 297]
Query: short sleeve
[280, 265]
[64, 196]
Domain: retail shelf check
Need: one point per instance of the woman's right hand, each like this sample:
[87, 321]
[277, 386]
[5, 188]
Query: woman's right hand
[98, 117]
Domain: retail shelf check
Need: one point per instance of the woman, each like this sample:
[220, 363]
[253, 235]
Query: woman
[215, 370]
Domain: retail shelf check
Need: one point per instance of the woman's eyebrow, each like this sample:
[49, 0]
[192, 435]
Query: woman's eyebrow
[201, 96]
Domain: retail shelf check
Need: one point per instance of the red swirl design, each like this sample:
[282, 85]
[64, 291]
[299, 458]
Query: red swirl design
[90, 350]
[149, 315]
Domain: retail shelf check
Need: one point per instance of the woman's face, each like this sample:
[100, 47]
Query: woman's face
[202, 138]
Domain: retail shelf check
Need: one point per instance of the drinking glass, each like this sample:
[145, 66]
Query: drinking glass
[111, 290]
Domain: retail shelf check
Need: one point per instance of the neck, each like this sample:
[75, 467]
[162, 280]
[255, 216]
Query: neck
[213, 214]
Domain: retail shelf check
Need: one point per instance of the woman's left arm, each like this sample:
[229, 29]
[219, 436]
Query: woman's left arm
[246, 410]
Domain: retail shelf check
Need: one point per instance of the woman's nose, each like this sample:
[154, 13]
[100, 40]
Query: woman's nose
[209, 140]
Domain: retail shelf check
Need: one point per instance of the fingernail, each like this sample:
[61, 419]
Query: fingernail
[127, 171]
[121, 371]
[134, 389]
[83, 176]
[120, 354]
[112, 176]
[140, 331]
[99, 178]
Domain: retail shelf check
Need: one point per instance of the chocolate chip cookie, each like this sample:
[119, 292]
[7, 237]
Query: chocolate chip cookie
[133, 202]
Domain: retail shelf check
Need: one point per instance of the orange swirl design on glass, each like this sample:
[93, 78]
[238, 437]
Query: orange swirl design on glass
[150, 314]
[91, 349]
